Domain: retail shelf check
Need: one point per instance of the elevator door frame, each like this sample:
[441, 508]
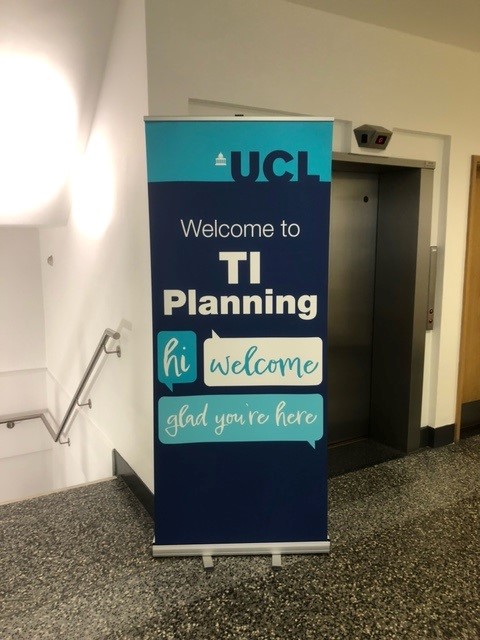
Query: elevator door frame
[400, 295]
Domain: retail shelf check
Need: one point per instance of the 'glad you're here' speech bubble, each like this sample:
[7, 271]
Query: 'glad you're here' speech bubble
[240, 418]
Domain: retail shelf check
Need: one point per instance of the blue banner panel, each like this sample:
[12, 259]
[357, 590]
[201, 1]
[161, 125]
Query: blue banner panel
[239, 221]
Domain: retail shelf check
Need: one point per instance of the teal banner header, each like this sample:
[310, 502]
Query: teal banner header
[238, 151]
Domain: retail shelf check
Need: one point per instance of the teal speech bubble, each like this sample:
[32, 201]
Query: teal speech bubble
[240, 418]
[176, 357]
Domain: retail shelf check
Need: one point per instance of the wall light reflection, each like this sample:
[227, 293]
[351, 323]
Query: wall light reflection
[38, 129]
[93, 189]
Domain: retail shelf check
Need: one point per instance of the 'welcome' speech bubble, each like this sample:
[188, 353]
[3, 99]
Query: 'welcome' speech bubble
[238, 362]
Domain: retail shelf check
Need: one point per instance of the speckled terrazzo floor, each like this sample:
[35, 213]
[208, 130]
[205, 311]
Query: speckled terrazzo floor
[405, 563]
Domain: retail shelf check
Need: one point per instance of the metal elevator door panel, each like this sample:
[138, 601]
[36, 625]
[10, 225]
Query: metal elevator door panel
[353, 228]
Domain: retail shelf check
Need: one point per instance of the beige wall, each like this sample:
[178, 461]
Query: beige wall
[278, 56]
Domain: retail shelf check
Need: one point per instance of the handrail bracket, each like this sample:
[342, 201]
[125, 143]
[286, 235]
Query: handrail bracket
[118, 351]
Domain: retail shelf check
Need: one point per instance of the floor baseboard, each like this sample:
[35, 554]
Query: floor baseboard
[123, 470]
[437, 437]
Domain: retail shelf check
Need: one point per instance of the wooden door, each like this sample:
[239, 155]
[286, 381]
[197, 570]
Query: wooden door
[468, 394]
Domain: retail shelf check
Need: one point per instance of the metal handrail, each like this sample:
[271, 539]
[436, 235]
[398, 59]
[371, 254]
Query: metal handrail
[102, 347]
[10, 420]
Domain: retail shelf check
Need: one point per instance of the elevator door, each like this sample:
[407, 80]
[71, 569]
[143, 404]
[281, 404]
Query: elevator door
[353, 227]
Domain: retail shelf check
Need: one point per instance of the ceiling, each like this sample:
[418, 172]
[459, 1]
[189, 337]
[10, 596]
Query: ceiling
[454, 22]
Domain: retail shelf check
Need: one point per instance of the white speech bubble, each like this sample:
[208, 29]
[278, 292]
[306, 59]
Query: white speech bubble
[241, 362]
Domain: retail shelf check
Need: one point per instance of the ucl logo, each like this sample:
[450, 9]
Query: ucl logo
[275, 167]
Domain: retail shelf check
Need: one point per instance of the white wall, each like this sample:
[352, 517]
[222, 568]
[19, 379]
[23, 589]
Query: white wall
[279, 56]
[25, 460]
[101, 273]
[25, 449]
[22, 334]
[270, 55]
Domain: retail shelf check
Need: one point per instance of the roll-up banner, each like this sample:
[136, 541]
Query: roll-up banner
[239, 221]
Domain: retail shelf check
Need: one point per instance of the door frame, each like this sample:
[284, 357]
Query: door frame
[400, 313]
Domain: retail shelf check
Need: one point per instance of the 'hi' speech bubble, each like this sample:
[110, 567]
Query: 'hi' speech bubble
[176, 357]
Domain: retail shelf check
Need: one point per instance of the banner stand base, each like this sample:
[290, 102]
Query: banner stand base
[276, 562]
[208, 563]
[274, 549]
